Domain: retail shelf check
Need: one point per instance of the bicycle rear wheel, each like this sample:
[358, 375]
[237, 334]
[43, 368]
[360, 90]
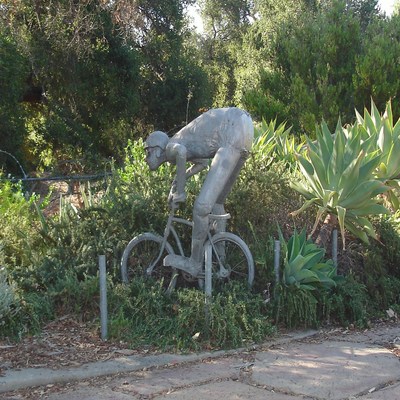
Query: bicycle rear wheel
[233, 253]
[143, 257]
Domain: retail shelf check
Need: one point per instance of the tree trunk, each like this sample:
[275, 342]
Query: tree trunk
[325, 233]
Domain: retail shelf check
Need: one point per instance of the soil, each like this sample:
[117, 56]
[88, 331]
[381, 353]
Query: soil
[62, 343]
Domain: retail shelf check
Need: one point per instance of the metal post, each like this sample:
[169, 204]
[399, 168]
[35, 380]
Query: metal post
[334, 246]
[208, 279]
[208, 271]
[277, 258]
[103, 297]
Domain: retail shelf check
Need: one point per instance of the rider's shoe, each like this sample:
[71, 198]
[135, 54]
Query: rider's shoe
[184, 263]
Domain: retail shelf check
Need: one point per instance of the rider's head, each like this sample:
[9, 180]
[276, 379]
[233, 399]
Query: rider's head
[155, 149]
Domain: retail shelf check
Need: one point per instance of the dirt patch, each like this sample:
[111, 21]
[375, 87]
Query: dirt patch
[62, 343]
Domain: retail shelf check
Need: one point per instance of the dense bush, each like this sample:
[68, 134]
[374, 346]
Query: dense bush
[146, 316]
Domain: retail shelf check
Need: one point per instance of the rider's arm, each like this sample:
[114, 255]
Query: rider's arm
[197, 166]
[177, 153]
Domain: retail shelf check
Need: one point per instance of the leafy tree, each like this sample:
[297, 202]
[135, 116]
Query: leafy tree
[377, 66]
[309, 51]
[13, 73]
[88, 75]
[257, 79]
[169, 72]
[396, 8]
[225, 22]
[299, 59]
[103, 72]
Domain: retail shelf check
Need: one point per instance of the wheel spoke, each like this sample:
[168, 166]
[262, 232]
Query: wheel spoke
[144, 252]
[235, 257]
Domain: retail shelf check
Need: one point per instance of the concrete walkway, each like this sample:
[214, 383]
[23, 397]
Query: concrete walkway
[307, 365]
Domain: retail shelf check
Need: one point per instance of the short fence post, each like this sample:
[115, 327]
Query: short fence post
[335, 247]
[208, 272]
[103, 297]
[277, 259]
[208, 279]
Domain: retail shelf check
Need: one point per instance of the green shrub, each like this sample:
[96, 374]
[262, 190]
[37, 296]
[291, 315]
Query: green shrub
[389, 243]
[262, 199]
[9, 302]
[18, 228]
[296, 307]
[53, 262]
[144, 315]
[74, 295]
[348, 303]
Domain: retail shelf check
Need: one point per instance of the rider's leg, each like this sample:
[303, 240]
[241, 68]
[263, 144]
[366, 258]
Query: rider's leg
[219, 208]
[232, 179]
[218, 179]
[223, 165]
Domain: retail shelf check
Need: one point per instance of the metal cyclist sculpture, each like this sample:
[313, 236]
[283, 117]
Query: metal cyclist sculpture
[225, 136]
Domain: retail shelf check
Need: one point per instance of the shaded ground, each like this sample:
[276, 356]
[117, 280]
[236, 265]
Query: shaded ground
[62, 343]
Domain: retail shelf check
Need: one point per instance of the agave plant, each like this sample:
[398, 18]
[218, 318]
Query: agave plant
[276, 143]
[305, 266]
[384, 137]
[339, 179]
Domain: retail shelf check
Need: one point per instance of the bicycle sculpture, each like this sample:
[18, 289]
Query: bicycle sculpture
[225, 136]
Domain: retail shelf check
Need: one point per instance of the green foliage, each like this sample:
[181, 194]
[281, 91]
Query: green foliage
[307, 51]
[375, 70]
[18, 227]
[8, 298]
[297, 307]
[339, 179]
[260, 99]
[389, 244]
[348, 303]
[13, 73]
[275, 143]
[304, 266]
[144, 315]
[384, 139]
[291, 65]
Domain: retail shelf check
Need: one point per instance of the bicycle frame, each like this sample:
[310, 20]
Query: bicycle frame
[169, 228]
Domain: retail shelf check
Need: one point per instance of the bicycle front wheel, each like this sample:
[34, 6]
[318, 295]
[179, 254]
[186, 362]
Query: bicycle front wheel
[231, 259]
[143, 257]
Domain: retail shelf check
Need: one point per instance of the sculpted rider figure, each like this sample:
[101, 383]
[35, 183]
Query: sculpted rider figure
[224, 135]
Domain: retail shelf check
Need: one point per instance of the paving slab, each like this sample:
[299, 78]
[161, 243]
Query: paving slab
[149, 383]
[19, 379]
[329, 370]
[228, 390]
[391, 392]
[381, 335]
[90, 394]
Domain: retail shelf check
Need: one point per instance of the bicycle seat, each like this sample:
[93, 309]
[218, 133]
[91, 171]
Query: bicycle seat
[219, 216]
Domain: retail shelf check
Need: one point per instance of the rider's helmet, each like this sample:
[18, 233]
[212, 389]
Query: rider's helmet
[157, 139]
